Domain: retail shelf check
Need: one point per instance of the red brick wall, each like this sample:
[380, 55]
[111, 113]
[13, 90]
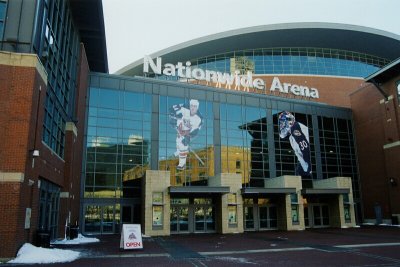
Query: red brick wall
[81, 98]
[16, 90]
[74, 149]
[21, 117]
[16, 85]
[377, 124]
[334, 91]
[22, 101]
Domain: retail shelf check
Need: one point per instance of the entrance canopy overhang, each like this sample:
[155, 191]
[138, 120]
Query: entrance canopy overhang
[264, 191]
[325, 191]
[199, 189]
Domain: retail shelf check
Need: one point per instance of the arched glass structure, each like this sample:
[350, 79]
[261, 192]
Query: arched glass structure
[294, 60]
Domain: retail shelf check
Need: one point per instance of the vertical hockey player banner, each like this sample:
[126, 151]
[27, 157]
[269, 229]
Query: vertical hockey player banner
[187, 121]
[299, 140]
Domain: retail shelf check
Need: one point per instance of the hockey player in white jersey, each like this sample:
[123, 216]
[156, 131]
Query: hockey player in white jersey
[299, 140]
[187, 121]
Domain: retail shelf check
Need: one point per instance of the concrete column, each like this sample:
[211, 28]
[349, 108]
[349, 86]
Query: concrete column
[285, 220]
[234, 181]
[156, 182]
[337, 205]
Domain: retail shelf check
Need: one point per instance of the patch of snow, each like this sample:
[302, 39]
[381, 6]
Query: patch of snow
[236, 260]
[393, 225]
[79, 240]
[382, 224]
[30, 254]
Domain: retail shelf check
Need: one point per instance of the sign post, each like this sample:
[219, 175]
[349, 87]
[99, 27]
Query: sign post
[131, 237]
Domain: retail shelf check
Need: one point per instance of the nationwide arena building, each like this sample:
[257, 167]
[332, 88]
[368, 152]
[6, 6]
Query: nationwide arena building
[287, 126]
[246, 130]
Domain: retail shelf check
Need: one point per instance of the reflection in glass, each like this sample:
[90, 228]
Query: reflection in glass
[199, 219]
[117, 146]
[108, 219]
[249, 217]
[294, 60]
[92, 219]
[244, 143]
[263, 213]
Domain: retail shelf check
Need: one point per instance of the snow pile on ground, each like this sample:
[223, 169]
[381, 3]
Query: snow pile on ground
[235, 260]
[79, 240]
[385, 224]
[382, 224]
[30, 254]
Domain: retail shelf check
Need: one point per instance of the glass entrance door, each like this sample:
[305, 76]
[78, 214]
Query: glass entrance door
[204, 219]
[107, 220]
[248, 218]
[179, 219]
[100, 219]
[192, 215]
[259, 215]
[321, 215]
[127, 214]
[268, 217]
[316, 215]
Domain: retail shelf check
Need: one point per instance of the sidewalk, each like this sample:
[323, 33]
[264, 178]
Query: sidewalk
[365, 246]
[200, 245]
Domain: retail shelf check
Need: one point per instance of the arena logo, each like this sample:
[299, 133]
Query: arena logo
[295, 89]
[186, 71]
[245, 81]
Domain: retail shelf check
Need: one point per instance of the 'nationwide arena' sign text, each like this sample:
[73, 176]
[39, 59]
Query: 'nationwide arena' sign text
[246, 81]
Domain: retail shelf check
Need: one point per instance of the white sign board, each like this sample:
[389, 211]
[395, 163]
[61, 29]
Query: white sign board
[28, 213]
[131, 237]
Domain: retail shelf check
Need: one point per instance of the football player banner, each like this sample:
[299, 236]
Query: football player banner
[131, 237]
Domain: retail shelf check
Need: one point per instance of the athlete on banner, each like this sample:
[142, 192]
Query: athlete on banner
[299, 140]
[187, 121]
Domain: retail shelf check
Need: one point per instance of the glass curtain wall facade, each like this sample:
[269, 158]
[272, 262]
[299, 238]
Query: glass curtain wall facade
[237, 133]
[295, 60]
[292, 60]
[3, 6]
[57, 44]
[117, 156]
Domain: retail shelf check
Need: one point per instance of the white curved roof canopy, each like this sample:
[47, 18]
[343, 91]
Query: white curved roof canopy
[319, 35]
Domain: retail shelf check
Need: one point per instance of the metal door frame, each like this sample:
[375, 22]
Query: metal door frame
[256, 217]
[178, 209]
[101, 205]
[310, 209]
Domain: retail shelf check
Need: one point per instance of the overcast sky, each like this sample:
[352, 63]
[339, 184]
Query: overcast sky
[135, 28]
